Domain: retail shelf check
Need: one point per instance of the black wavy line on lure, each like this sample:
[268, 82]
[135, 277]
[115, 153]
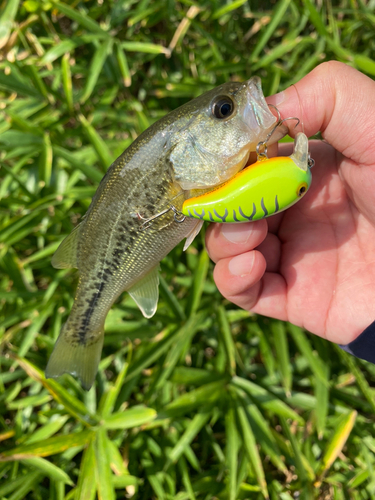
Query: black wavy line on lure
[248, 217]
[210, 215]
[235, 216]
[201, 215]
[222, 217]
[263, 207]
[276, 204]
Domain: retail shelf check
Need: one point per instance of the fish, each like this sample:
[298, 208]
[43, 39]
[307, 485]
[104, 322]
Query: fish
[190, 150]
[267, 187]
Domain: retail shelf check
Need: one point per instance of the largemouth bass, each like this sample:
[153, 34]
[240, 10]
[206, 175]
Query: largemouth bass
[192, 149]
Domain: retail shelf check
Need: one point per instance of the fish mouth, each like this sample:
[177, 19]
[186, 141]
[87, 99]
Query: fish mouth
[257, 113]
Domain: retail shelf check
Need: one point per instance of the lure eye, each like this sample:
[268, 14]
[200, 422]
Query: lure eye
[223, 107]
[302, 188]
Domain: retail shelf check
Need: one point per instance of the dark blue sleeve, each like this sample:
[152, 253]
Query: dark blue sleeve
[363, 346]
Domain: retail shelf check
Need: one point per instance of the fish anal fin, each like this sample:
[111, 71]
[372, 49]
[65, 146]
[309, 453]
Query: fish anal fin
[146, 293]
[66, 254]
[193, 233]
[78, 359]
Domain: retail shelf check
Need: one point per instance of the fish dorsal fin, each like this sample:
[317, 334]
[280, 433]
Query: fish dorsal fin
[193, 233]
[146, 293]
[66, 254]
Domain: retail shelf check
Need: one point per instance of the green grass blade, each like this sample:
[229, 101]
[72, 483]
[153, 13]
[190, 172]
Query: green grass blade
[91, 173]
[98, 143]
[353, 367]
[228, 340]
[49, 429]
[134, 417]
[194, 427]
[108, 400]
[282, 352]
[180, 346]
[322, 399]
[233, 442]
[182, 465]
[104, 482]
[46, 158]
[299, 460]
[67, 81]
[198, 283]
[123, 65]
[84, 20]
[266, 399]
[337, 441]
[96, 67]
[304, 345]
[47, 447]
[277, 17]
[27, 485]
[251, 449]
[49, 469]
[6, 20]
[73, 405]
[171, 299]
[315, 18]
[86, 487]
[207, 394]
[226, 9]
[148, 48]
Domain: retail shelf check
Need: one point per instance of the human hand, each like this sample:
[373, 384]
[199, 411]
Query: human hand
[314, 264]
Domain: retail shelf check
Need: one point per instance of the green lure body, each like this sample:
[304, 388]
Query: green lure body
[264, 188]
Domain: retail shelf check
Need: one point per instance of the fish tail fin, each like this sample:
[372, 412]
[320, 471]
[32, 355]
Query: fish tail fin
[79, 359]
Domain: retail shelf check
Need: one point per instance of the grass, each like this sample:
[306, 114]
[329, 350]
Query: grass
[203, 401]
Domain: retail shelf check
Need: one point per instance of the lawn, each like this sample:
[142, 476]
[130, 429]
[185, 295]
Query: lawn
[204, 400]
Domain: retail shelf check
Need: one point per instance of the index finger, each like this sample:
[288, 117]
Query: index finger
[338, 101]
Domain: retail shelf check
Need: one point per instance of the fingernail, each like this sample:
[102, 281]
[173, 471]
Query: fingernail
[241, 264]
[279, 98]
[237, 233]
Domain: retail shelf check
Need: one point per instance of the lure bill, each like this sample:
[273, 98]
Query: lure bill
[263, 189]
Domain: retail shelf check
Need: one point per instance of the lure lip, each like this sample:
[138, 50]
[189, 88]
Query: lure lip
[300, 154]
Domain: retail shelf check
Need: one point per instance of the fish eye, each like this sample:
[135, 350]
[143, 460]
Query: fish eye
[222, 107]
[302, 188]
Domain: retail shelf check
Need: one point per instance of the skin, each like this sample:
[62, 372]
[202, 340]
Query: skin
[314, 265]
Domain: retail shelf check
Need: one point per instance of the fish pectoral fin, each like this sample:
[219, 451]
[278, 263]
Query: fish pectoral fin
[66, 254]
[78, 359]
[193, 233]
[146, 293]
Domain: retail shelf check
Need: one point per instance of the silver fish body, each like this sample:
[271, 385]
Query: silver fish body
[195, 147]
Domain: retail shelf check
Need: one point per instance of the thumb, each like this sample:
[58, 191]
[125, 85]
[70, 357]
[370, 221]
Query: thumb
[338, 101]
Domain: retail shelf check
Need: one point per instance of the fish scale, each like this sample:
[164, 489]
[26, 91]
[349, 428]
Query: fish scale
[191, 148]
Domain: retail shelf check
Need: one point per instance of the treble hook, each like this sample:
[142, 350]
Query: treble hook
[262, 155]
[177, 216]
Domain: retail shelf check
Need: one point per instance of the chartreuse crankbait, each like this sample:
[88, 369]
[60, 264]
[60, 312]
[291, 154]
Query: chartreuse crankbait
[264, 188]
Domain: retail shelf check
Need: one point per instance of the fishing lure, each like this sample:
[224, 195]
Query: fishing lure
[264, 188]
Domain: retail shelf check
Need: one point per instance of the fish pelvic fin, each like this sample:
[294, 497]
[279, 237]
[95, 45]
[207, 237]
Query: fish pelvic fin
[80, 359]
[146, 293]
[66, 254]
[193, 233]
